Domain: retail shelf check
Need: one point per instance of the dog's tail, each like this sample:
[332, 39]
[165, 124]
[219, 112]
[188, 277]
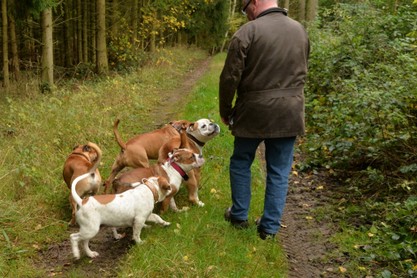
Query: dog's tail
[74, 194]
[98, 158]
[117, 135]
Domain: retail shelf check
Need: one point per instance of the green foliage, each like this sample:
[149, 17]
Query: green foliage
[361, 111]
[208, 25]
[123, 54]
[361, 107]
[384, 240]
[203, 21]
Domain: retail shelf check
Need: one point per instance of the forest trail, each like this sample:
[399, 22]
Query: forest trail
[304, 239]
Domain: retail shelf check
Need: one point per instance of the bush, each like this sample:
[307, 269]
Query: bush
[361, 113]
[361, 92]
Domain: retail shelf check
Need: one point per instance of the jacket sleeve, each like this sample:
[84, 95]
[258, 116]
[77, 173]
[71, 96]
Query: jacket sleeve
[231, 76]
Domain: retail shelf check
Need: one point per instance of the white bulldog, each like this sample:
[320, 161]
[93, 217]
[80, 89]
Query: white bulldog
[128, 209]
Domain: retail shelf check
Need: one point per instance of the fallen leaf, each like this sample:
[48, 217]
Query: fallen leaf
[342, 269]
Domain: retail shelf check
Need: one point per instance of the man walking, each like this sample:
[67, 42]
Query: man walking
[266, 69]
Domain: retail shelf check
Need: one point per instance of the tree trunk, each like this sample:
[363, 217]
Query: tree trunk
[13, 43]
[67, 35]
[29, 45]
[301, 11]
[93, 42]
[312, 6]
[232, 9]
[6, 83]
[115, 17]
[152, 43]
[85, 32]
[135, 21]
[79, 14]
[47, 48]
[298, 10]
[286, 4]
[102, 62]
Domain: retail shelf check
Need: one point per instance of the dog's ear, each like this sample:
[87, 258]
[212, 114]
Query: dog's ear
[164, 184]
[176, 124]
[174, 155]
[192, 127]
[76, 146]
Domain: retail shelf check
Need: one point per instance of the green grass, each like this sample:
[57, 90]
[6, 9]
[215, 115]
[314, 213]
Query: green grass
[37, 132]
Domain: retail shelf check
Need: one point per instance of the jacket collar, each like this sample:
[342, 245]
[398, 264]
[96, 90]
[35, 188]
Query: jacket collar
[273, 10]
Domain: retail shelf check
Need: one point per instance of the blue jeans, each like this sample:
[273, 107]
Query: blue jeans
[279, 158]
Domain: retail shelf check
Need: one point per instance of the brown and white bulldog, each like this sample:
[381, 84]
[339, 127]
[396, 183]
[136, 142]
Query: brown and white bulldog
[83, 159]
[128, 209]
[174, 169]
[157, 144]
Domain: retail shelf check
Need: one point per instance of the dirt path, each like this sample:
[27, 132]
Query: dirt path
[304, 239]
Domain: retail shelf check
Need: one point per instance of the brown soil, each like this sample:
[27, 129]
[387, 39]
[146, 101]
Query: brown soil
[305, 240]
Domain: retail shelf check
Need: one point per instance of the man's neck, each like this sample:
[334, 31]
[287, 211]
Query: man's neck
[265, 5]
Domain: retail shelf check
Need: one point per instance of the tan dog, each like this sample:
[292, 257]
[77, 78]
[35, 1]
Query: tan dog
[157, 144]
[174, 169]
[129, 209]
[83, 159]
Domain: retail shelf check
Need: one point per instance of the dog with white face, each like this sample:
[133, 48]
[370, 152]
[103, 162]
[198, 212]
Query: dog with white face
[131, 208]
[156, 144]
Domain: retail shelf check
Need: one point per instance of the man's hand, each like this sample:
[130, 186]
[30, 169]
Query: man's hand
[225, 121]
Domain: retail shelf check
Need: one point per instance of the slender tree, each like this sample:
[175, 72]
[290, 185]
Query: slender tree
[232, 8]
[311, 12]
[47, 48]
[102, 62]
[6, 82]
[67, 34]
[85, 31]
[286, 4]
[93, 41]
[115, 17]
[14, 48]
[135, 20]
[79, 31]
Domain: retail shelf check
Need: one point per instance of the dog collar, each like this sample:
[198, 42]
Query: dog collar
[201, 144]
[179, 170]
[154, 192]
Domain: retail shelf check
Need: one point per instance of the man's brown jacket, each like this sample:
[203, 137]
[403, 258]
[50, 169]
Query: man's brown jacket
[266, 66]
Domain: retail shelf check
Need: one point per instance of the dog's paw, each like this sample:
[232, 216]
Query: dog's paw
[200, 204]
[72, 224]
[146, 226]
[183, 209]
[93, 254]
[119, 236]
[165, 224]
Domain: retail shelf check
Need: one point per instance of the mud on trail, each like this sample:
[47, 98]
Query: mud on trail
[304, 239]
